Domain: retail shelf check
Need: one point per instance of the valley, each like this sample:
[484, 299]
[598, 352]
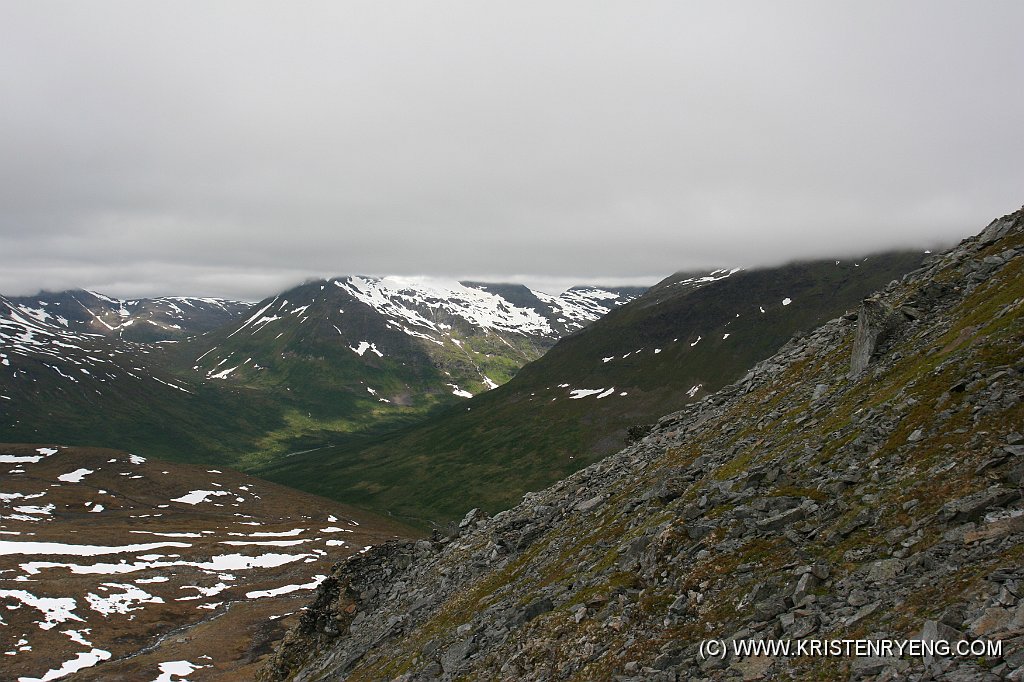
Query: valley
[687, 337]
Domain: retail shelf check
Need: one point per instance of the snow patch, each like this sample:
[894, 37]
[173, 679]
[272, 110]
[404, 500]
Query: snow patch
[84, 659]
[286, 589]
[366, 346]
[197, 496]
[75, 476]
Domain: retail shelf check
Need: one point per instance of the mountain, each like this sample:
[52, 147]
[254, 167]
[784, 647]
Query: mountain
[448, 334]
[689, 335]
[146, 319]
[328, 361]
[60, 382]
[140, 567]
[350, 358]
[863, 483]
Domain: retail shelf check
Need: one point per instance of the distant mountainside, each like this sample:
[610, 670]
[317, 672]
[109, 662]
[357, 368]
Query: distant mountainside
[354, 328]
[61, 383]
[111, 560]
[856, 492]
[145, 319]
[689, 335]
[324, 362]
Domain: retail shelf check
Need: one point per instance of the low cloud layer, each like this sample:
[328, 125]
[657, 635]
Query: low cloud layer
[158, 148]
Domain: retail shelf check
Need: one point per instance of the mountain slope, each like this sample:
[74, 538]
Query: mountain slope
[862, 483]
[326, 362]
[465, 331]
[126, 564]
[688, 335]
[350, 358]
[58, 382]
[146, 319]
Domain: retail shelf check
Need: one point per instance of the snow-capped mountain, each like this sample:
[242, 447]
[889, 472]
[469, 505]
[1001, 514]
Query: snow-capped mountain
[37, 345]
[222, 378]
[426, 308]
[145, 319]
[470, 336]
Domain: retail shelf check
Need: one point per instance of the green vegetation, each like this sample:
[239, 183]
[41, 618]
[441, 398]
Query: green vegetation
[528, 433]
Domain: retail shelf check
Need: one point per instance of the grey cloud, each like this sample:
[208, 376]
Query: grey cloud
[152, 148]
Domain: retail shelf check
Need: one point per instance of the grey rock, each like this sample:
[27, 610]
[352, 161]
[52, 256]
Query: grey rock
[876, 322]
[452, 658]
[591, 504]
[886, 569]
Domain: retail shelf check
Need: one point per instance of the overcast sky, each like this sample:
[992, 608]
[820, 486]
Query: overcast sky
[236, 148]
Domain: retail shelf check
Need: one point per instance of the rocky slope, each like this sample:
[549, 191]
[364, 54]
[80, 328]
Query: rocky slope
[864, 482]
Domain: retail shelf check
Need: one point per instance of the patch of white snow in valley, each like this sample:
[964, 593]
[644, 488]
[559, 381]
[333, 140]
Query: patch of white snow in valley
[216, 564]
[787, 301]
[606, 393]
[46, 452]
[54, 609]
[287, 589]
[172, 669]
[135, 459]
[197, 496]
[203, 592]
[724, 337]
[120, 603]
[75, 476]
[62, 549]
[43, 511]
[366, 346]
[77, 637]
[489, 382]
[19, 459]
[695, 342]
[84, 659]
[693, 391]
[264, 543]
